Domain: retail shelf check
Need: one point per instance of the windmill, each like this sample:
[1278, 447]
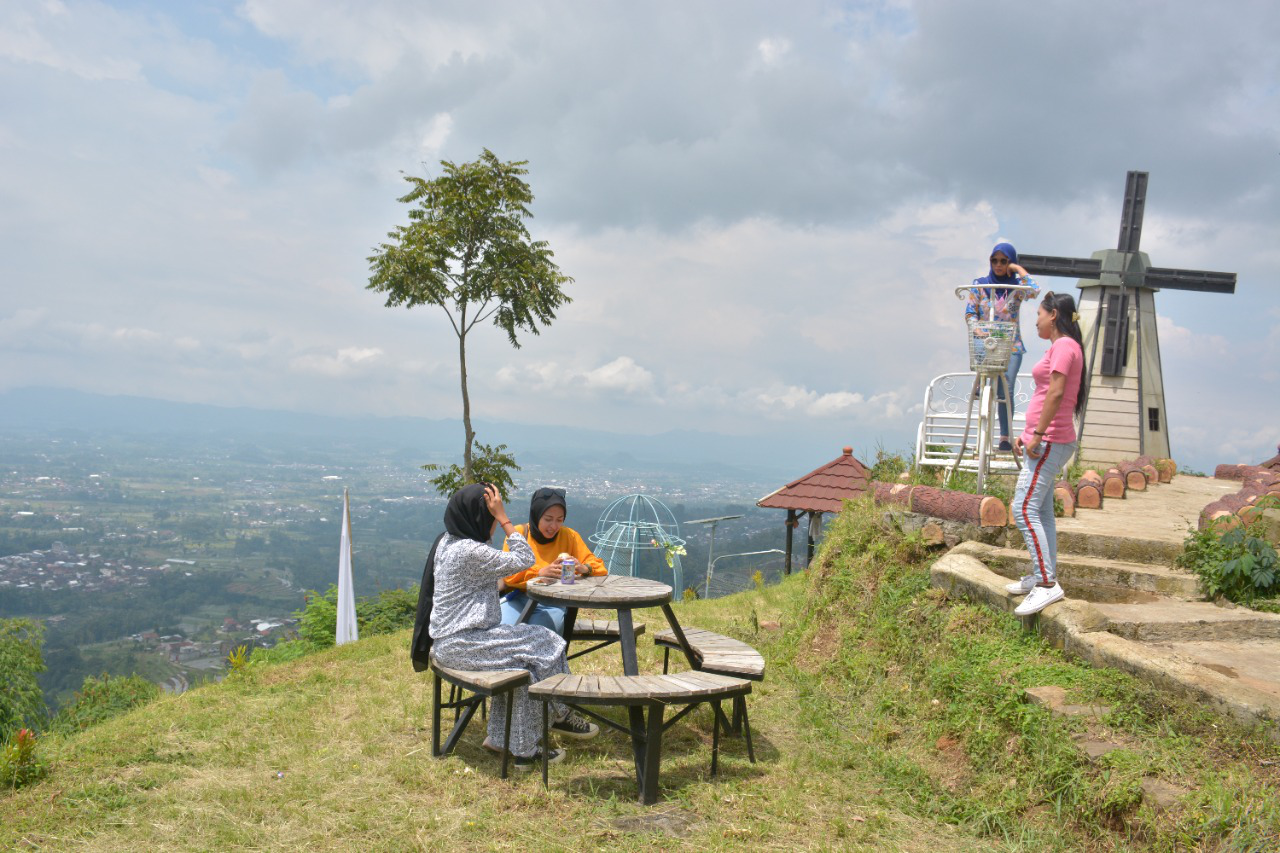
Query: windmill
[1124, 415]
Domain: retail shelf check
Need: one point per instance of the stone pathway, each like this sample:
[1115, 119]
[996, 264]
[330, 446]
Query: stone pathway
[1128, 606]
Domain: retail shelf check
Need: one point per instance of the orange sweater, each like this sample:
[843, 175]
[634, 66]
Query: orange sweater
[567, 541]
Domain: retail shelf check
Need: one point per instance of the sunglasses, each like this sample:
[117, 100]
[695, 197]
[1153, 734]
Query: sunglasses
[995, 261]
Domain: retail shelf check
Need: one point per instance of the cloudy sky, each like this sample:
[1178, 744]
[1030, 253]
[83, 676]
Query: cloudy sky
[765, 206]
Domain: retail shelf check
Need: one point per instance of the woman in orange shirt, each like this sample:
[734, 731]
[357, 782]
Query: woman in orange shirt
[550, 539]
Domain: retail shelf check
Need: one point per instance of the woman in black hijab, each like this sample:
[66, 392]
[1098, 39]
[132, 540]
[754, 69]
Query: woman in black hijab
[459, 620]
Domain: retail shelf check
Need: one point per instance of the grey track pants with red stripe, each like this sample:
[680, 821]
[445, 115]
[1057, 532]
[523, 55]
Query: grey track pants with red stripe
[1033, 507]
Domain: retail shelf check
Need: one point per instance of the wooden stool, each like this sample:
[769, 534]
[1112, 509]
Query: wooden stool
[482, 684]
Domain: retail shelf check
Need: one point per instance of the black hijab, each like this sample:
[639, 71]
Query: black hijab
[543, 500]
[467, 516]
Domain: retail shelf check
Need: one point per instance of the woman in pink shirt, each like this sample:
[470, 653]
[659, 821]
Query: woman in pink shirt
[1047, 442]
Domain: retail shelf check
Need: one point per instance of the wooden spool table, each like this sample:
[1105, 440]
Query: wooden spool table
[608, 592]
[623, 594]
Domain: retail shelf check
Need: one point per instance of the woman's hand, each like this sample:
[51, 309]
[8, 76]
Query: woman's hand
[493, 502]
[551, 570]
[1018, 270]
[1032, 447]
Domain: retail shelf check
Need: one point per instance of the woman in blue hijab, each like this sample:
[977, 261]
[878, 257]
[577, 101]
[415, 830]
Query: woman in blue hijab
[989, 301]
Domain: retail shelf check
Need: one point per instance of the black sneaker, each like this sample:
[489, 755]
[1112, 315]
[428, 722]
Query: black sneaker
[534, 762]
[1005, 447]
[575, 727]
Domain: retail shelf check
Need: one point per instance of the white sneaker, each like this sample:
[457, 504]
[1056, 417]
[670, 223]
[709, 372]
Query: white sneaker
[1039, 598]
[1023, 586]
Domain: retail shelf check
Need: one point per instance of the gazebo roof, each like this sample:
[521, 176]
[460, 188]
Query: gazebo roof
[825, 489]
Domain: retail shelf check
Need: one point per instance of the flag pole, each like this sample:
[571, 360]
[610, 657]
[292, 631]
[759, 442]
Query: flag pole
[346, 630]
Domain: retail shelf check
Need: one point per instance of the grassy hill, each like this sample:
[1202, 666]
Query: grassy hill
[891, 718]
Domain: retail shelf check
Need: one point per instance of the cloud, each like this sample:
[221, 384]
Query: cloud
[622, 376]
[344, 362]
[45, 35]
[375, 38]
[773, 50]
[834, 404]
[765, 212]
[1180, 341]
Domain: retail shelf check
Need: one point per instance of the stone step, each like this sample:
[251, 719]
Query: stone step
[1237, 677]
[1097, 578]
[1131, 549]
[1167, 620]
[1253, 664]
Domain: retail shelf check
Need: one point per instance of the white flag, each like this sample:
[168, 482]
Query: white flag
[346, 630]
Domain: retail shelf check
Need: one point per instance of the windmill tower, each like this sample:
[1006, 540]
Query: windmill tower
[1124, 413]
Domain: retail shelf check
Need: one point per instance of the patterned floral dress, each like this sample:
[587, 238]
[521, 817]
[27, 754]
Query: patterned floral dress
[467, 631]
[984, 303]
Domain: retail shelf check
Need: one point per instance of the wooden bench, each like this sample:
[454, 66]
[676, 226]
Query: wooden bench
[482, 684]
[602, 632]
[718, 654]
[638, 692]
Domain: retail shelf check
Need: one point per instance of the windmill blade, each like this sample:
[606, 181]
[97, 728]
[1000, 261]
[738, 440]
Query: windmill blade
[1198, 280]
[1064, 267]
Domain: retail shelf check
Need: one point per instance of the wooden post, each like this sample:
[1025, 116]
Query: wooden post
[809, 535]
[791, 530]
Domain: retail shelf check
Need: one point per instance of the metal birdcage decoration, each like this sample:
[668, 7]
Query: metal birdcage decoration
[638, 536]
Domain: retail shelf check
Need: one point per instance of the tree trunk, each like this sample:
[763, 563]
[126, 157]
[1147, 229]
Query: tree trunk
[1134, 477]
[1235, 506]
[1148, 466]
[1063, 492]
[959, 506]
[1216, 511]
[467, 475]
[892, 493]
[932, 533]
[992, 512]
[1091, 476]
[1167, 468]
[1113, 484]
[1235, 472]
[1088, 495]
[1261, 488]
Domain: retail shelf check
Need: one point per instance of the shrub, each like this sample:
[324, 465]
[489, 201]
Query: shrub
[318, 619]
[1240, 565]
[102, 698]
[238, 659]
[282, 652]
[389, 611]
[888, 466]
[19, 763]
[21, 702]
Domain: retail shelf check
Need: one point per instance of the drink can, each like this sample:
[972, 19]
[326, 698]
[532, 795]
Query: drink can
[568, 570]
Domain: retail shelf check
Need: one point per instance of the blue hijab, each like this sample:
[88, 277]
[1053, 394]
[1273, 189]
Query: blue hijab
[1009, 252]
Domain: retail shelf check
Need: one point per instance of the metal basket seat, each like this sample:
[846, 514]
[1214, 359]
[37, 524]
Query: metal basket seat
[991, 343]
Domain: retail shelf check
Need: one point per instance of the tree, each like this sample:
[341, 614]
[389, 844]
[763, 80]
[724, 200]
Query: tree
[467, 251]
[21, 702]
[489, 464]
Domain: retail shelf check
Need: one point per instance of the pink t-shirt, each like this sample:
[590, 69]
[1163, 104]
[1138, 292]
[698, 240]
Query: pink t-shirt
[1064, 356]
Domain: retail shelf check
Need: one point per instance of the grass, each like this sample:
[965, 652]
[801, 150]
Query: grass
[900, 468]
[890, 718]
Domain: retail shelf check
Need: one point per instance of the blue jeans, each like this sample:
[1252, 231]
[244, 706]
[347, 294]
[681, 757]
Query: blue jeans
[546, 615]
[1010, 385]
[1033, 507]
